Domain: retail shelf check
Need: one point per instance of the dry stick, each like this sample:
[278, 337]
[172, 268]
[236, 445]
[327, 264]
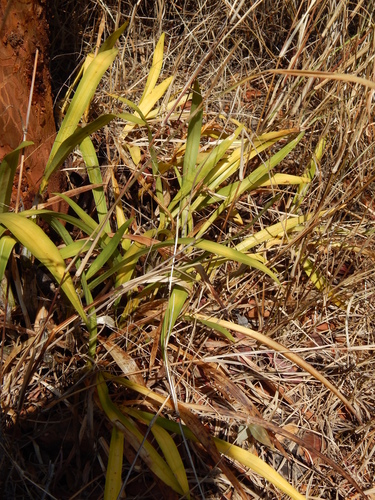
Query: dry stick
[25, 129]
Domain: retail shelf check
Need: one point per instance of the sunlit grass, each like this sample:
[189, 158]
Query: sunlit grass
[221, 280]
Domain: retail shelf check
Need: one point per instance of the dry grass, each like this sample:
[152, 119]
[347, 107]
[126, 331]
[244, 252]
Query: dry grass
[59, 445]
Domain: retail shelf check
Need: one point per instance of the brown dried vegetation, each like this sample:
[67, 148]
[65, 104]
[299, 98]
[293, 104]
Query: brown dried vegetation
[55, 438]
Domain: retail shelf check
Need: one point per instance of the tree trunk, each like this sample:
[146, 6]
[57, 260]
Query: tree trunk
[24, 29]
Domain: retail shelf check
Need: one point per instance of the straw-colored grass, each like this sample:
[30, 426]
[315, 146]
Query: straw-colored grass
[205, 323]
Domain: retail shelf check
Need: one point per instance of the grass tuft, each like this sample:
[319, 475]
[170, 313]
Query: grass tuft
[201, 323]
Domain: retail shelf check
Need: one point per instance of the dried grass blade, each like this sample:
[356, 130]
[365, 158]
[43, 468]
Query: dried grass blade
[123, 360]
[272, 344]
[325, 75]
[204, 437]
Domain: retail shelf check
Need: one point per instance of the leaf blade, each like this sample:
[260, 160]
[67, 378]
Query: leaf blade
[39, 244]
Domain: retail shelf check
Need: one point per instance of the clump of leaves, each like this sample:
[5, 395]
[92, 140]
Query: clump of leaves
[211, 177]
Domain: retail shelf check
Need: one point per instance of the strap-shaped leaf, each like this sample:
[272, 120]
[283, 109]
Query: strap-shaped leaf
[172, 456]
[147, 452]
[176, 302]
[95, 176]
[6, 246]
[8, 169]
[157, 63]
[38, 243]
[108, 251]
[230, 450]
[115, 458]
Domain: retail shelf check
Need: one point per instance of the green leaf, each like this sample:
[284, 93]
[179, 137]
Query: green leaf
[126, 264]
[204, 170]
[214, 326]
[68, 143]
[135, 438]
[108, 251]
[259, 466]
[157, 63]
[78, 137]
[74, 249]
[8, 169]
[309, 173]
[232, 451]
[191, 154]
[172, 456]
[285, 179]
[232, 254]
[53, 220]
[112, 39]
[175, 304]
[193, 136]
[91, 324]
[148, 103]
[6, 246]
[83, 216]
[38, 243]
[113, 481]
[252, 181]
[95, 177]
[80, 101]
[278, 230]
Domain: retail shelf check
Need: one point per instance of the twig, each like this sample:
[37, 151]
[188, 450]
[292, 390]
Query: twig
[25, 130]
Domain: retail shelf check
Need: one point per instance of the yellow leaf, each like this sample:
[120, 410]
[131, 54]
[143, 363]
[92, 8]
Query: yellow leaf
[135, 153]
[149, 102]
[172, 456]
[157, 62]
[38, 243]
[113, 477]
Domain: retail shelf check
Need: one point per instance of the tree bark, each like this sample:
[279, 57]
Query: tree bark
[24, 29]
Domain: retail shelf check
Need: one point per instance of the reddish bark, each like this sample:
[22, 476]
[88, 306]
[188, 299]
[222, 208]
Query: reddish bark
[24, 29]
